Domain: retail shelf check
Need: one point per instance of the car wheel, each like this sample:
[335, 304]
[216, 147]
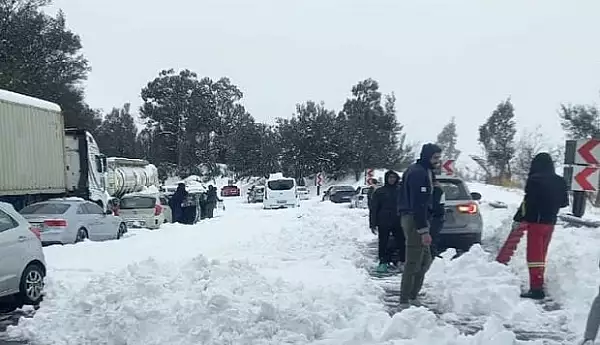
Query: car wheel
[82, 235]
[32, 285]
[122, 230]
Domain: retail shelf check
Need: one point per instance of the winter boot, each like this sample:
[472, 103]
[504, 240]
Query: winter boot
[534, 294]
[382, 268]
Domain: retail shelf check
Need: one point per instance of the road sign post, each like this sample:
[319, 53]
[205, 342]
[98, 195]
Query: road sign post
[582, 170]
[448, 167]
[319, 182]
[369, 176]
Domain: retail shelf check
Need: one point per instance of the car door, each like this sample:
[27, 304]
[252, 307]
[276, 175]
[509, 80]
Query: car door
[12, 246]
[94, 214]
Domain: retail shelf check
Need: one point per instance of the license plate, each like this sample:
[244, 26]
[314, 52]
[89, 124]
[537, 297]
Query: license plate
[281, 201]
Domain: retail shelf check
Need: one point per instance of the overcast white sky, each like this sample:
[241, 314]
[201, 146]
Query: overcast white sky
[441, 58]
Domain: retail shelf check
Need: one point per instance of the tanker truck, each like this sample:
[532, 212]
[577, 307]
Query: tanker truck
[126, 175]
[40, 160]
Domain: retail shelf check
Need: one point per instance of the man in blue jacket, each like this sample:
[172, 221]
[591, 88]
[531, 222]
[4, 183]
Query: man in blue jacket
[415, 207]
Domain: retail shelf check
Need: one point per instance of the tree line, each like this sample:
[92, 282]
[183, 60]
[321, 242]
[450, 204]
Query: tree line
[194, 125]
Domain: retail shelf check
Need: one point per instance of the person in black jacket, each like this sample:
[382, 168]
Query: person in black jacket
[175, 203]
[545, 194]
[415, 205]
[211, 201]
[384, 220]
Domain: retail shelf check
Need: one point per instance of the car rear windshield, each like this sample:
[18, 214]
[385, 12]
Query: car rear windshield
[343, 189]
[137, 202]
[281, 184]
[47, 208]
[454, 189]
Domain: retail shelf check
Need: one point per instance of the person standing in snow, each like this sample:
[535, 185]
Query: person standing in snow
[415, 205]
[384, 220]
[545, 194]
[176, 203]
[211, 201]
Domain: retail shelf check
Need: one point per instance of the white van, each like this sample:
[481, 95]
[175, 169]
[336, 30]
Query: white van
[280, 192]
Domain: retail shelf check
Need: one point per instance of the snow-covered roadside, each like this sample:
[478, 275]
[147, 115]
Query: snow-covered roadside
[249, 277]
[572, 275]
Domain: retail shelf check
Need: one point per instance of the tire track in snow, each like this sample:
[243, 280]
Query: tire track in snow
[466, 324]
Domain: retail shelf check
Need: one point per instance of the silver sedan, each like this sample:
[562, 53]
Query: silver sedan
[70, 220]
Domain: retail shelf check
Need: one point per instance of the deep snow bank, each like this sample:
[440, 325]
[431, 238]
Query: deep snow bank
[249, 277]
[572, 274]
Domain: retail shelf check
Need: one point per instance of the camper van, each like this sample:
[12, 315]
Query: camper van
[280, 192]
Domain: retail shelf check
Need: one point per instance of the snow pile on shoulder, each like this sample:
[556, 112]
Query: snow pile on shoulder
[299, 281]
[572, 274]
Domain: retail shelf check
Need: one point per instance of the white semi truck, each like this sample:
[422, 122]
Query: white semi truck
[39, 159]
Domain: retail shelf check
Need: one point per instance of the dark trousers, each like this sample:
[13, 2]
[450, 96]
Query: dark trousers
[210, 209]
[436, 225]
[386, 248]
[418, 261]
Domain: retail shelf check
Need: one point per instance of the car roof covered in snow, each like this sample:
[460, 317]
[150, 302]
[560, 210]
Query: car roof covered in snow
[17, 98]
[278, 176]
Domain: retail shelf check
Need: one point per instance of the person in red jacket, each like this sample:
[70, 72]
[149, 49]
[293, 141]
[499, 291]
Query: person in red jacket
[545, 194]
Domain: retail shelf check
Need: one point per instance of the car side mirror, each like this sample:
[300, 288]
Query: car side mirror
[475, 196]
[108, 212]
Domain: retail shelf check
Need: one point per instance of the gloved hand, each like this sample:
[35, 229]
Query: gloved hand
[374, 230]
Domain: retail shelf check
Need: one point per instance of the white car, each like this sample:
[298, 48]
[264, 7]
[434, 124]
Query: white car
[303, 193]
[360, 200]
[22, 263]
[280, 192]
[72, 220]
[144, 210]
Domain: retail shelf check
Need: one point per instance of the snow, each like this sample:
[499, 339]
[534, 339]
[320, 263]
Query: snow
[297, 276]
[13, 97]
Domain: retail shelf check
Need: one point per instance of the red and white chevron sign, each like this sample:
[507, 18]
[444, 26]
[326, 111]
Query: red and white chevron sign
[587, 152]
[585, 179]
[448, 167]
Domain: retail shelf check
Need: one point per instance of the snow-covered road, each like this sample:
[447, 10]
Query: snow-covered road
[298, 276]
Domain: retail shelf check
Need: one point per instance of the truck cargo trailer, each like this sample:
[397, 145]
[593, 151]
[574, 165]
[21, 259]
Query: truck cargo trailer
[40, 160]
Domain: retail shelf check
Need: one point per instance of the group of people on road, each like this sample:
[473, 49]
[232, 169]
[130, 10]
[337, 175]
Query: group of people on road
[184, 206]
[410, 209]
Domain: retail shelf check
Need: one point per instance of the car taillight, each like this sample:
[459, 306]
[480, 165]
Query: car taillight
[470, 208]
[157, 210]
[36, 231]
[55, 223]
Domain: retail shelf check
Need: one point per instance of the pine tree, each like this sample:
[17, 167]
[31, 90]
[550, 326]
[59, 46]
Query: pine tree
[580, 121]
[447, 140]
[117, 135]
[497, 138]
[40, 57]
[371, 134]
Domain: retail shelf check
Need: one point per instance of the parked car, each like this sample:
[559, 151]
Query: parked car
[280, 192]
[71, 220]
[303, 192]
[339, 194]
[22, 263]
[144, 210]
[230, 191]
[463, 222]
[359, 199]
[256, 194]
